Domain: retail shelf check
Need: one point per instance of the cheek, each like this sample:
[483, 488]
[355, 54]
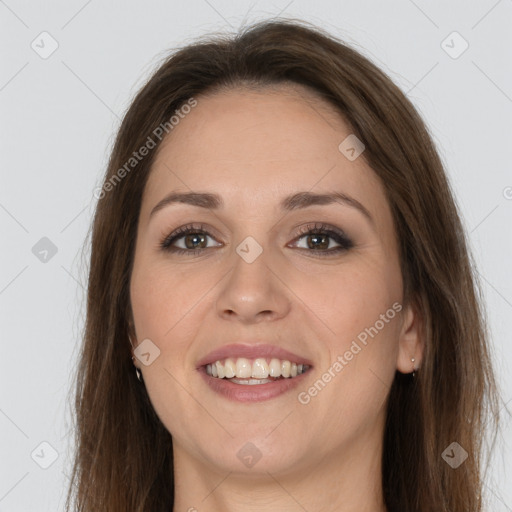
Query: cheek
[169, 305]
[161, 312]
[359, 308]
[160, 299]
[345, 301]
[353, 382]
[150, 302]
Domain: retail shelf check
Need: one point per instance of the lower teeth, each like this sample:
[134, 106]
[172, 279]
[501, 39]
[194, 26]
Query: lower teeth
[250, 382]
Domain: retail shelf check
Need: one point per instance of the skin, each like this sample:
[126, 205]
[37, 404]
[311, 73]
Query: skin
[253, 148]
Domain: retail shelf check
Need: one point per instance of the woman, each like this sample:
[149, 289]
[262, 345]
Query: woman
[282, 313]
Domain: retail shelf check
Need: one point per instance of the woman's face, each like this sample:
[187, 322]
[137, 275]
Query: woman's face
[249, 275]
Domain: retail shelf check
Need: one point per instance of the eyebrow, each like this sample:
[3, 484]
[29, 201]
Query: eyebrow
[292, 202]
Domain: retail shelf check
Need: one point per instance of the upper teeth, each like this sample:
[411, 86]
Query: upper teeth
[243, 368]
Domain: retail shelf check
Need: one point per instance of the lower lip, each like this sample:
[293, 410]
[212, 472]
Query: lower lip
[251, 393]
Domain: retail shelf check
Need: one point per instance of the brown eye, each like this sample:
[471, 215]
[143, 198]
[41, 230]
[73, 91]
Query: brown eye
[318, 241]
[191, 240]
[319, 238]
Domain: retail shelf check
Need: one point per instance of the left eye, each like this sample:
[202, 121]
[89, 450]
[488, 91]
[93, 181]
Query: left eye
[317, 241]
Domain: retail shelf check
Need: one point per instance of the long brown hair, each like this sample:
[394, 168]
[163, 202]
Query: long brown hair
[124, 458]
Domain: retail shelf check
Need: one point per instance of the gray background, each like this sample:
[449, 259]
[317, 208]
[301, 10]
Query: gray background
[58, 119]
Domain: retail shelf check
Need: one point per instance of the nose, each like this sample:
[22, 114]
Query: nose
[254, 292]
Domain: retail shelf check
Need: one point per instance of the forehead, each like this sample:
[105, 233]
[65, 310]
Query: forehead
[261, 126]
[255, 146]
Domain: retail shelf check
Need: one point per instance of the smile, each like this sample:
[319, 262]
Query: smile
[252, 372]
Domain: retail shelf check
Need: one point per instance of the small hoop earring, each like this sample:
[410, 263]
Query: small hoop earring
[137, 371]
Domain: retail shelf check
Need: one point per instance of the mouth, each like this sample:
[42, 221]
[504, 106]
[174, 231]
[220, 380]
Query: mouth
[247, 372]
[253, 373]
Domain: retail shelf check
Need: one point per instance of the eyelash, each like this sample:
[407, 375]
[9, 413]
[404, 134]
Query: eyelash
[311, 229]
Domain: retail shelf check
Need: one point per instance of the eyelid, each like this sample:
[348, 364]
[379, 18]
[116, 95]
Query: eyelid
[181, 231]
[344, 241]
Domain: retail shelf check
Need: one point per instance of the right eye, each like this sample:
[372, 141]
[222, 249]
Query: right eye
[194, 239]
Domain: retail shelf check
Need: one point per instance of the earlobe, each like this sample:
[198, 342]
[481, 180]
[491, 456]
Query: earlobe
[410, 341]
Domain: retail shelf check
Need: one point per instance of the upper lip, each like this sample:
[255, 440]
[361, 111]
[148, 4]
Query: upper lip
[251, 351]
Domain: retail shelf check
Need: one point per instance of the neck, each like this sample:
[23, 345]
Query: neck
[347, 480]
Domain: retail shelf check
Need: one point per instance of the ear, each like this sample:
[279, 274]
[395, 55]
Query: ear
[411, 341]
